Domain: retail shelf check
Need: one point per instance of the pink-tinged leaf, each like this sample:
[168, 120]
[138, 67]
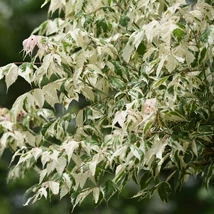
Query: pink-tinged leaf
[149, 106]
[30, 43]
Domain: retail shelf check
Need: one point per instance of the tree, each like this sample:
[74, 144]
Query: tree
[145, 69]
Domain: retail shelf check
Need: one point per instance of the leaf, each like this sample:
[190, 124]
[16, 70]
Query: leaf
[80, 179]
[160, 65]
[120, 118]
[189, 57]
[127, 51]
[205, 129]
[50, 93]
[54, 187]
[88, 93]
[164, 190]
[54, 5]
[39, 97]
[161, 81]
[61, 164]
[26, 72]
[119, 172]
[178, 33]
[82, 196]
[30, 43]
[141, 50]
[79, 118]
[92, 167]
[69, 147]
[205, 35]
[11, 75]
[42, 175]
[36, 152]
[145, 180]
[208, 173]
[109, 190]
[124, 20]
[202, 54]
[101, 26]
[64, 190]
[173, 116]
[46, 1]
[147, 126]
[96, 193]
[43, 192]
[171, 63]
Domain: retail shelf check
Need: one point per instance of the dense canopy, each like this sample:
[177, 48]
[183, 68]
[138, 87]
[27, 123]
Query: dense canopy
[145, 70]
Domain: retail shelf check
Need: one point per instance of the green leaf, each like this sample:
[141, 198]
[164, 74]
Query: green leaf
[161, 81]
[88, 21]
[208, 173]
[178, 33]
[109, 189]
[147, 126]
[145, 180]
[202, 54]
[102, 26]
[205, 35]
[141, 50]
[205, 129]
[124, 20]
[164, 191]
[117, 83]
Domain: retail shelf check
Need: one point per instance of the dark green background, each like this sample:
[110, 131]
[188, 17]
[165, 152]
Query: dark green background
[18, 18]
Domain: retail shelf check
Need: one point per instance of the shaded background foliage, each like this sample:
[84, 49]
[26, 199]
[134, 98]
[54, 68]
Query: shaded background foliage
[18, 18]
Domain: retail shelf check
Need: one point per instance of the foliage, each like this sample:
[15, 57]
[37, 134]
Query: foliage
[146, 69]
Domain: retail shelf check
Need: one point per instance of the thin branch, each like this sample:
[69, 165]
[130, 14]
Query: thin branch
[20, 63]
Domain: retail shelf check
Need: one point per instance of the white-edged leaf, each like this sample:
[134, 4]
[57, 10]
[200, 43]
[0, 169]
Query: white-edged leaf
[7, 125]
[120, 169]
[161, 81]
[26, 72]
[39, 97]
[92, 167]
[88, 93]
[43, 192]
[127, 51]
[189, 57]
[11, 75]
[50, 93]
[120, 118]
[63, 191]
[42, 175]
[62, 162]
[54, 187]
[70, 147]
[36, 152]
[45, 158]
[96, 194]
[160, 65]
[171, 63]
[194, 147]
[82, 196]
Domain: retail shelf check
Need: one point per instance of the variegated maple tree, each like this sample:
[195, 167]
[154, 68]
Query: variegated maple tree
[146, 70]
